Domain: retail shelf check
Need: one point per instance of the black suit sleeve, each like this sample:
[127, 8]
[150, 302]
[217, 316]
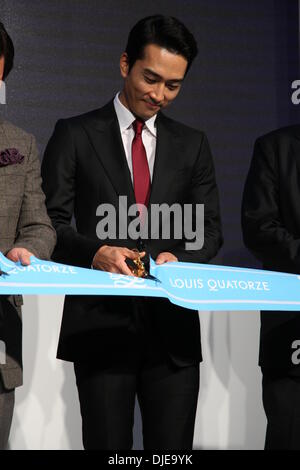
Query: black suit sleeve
[59, 181]
[203, 190]
[264, 229]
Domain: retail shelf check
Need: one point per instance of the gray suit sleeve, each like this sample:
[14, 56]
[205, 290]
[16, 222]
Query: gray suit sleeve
[34, 229]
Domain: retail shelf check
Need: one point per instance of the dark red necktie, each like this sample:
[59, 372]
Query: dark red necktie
[140, 167]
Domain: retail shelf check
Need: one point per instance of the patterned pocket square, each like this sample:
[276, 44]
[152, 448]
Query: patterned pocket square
[10, 157]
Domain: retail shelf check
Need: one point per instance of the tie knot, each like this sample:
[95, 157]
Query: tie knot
[138, 126]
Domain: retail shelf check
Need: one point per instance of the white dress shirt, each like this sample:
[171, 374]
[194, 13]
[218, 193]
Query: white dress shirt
[125, 119]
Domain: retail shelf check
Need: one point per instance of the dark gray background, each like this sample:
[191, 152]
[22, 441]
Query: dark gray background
[67, 55]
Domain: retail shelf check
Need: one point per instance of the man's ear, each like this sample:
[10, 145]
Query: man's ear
[124, 65]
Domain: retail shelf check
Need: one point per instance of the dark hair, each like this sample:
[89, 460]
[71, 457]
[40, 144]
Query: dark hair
[164, 31]
[7, 50]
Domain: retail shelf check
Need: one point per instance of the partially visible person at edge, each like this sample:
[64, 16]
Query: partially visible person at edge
[125, 347]
[25, 230]
[271, 229]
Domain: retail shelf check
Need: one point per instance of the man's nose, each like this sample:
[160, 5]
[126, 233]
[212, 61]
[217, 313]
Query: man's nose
[158, 93]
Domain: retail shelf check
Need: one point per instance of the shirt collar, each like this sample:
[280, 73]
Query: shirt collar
[126, 118]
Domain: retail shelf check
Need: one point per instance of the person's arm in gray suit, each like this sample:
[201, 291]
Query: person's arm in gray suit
[34, 230]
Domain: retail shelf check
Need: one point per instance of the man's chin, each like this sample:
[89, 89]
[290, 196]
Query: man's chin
[144, 116]
[148, 114]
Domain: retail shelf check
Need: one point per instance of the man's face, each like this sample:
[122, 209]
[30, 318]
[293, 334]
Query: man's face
[1, 67]
[153, 81]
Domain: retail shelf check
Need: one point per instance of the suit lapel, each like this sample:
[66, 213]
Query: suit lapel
[105, 137]
[166, 155]
[5, 171]
[104, 134]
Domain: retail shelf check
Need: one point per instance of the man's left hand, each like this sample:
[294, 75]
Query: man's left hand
[20, 254]
[165, 257]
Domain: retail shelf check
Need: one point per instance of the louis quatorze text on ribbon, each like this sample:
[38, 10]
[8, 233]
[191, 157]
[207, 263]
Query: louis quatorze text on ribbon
[191, 285]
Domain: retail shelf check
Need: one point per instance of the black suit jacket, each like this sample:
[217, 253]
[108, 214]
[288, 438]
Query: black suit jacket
[271, 228]
[84, 166]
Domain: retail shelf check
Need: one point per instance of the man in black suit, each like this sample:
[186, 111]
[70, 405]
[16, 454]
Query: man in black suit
[122, 347]
[271, 228]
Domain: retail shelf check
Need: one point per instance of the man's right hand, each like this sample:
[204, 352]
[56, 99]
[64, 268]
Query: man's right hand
[112, 259]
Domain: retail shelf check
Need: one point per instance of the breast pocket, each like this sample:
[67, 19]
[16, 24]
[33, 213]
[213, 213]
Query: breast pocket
[179, 183]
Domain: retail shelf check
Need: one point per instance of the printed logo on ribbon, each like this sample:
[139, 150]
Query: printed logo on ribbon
[190, 285]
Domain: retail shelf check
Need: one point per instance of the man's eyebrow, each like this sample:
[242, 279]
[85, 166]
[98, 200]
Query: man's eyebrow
[159, 77]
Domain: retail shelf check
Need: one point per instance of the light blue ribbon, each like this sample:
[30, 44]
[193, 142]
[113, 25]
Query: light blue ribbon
[190, 285]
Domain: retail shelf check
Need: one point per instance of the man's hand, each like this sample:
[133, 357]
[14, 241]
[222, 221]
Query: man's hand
[165, 257]
[20, 254]
[112, 259]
